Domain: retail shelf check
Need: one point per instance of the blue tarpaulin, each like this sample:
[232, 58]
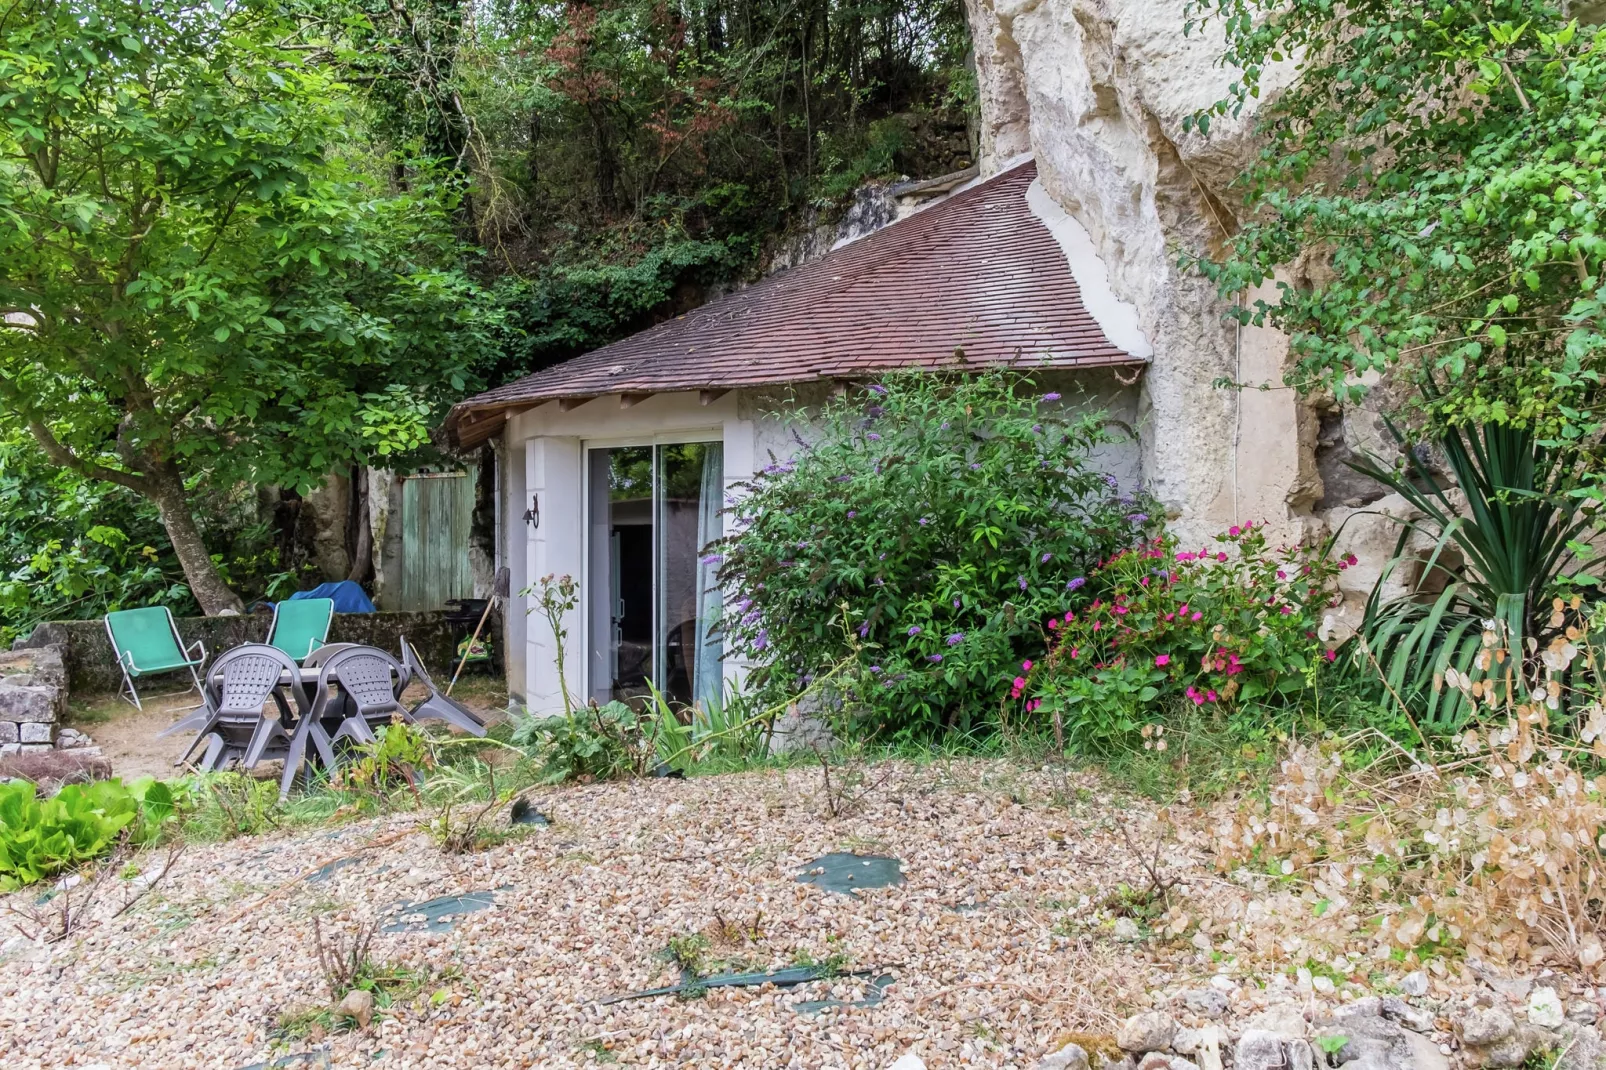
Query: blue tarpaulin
[348, 596]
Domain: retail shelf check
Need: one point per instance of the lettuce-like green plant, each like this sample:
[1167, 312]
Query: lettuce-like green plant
[41, 837]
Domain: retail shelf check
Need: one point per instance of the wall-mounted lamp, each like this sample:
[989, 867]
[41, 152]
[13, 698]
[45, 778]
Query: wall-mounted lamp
[532, 515]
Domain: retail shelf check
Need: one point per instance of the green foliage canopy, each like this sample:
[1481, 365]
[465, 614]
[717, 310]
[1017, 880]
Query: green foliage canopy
[198, 279]
[1432, 176]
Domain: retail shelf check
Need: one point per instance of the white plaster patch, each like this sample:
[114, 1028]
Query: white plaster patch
[1118, 319]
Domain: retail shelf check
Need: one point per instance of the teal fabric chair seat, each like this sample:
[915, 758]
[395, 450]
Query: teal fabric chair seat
[146, 641]
[301, 626]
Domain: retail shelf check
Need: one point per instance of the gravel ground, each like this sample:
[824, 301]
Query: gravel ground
[984, 939]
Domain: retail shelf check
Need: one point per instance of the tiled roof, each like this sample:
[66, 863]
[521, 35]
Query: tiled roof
[977, 272]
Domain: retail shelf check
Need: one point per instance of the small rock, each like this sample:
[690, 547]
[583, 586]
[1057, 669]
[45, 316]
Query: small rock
[1070, 1057]
[1159, 1060]
[1187, 1041]
[1396, 1009]
[1260, 1049]
[1579, 1046]
[1127, 931]
[1283, 1019]
[1209, 1054]
[69, 738]
[1324, 985]
[1222, 983]
[1365, 1007]
[1206, 1002]
[1583, 1012]
[1425, 1054]
[415, 878]
[1368, 1042]
[359, 1007]
[1481, 1026]
[1544, 1008]
[1504, 1054]
[1414, 983]
[1513, 988]
[1149, 1031]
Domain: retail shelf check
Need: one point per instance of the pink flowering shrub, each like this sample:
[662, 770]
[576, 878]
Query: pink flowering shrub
[1206, 629]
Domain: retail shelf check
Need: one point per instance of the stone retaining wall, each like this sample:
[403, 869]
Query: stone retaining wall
[32, 698]
[91, 667]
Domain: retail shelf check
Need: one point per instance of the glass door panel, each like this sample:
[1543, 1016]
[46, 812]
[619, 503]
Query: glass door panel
[653, 605]
[688, 649]
[620, 598]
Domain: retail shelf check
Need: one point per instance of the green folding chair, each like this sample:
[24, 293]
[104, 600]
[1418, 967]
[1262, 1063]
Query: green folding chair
[146, 641]
[301, 625]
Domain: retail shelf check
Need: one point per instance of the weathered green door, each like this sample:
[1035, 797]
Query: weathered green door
[436, 513]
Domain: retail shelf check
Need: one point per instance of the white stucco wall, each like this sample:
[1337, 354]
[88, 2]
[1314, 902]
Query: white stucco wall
[754, 426]
[552, 445]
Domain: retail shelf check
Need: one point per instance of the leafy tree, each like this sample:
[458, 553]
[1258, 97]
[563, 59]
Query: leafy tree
[1441, 167]
[200, 280]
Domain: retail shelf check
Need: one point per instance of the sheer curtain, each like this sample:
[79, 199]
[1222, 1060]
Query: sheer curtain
[708, 689]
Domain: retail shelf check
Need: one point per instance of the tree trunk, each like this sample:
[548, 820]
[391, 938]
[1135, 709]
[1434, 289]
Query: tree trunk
[362, 553]
[167, 491]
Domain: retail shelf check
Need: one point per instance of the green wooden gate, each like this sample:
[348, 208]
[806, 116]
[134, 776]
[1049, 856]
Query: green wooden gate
[436, 513]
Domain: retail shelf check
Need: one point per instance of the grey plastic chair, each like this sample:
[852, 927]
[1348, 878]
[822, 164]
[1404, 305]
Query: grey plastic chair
[371, 683]
[437, 706]
[231, 721]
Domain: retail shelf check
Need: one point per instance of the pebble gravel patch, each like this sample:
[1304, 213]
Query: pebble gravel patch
[974, 959]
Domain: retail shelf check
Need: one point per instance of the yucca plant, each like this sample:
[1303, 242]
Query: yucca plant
[1512, 542]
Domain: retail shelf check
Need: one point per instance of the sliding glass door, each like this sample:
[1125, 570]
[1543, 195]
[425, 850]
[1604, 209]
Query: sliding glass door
[652, 604]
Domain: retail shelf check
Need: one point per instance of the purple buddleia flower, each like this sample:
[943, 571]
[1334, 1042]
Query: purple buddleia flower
[761, 640]
[711, 559]
[1138, 518]
[878, 388]
[956, 638]
[1045, 559]
[1021, 582]
[1074, 584]
[933, 658]
[873, 437]
[1051, 396]
[914, 630]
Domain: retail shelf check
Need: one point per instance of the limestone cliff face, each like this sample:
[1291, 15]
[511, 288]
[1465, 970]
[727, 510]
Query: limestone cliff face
[1097, 91]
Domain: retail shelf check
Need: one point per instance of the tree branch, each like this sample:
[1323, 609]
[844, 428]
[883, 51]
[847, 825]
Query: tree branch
[60, 455]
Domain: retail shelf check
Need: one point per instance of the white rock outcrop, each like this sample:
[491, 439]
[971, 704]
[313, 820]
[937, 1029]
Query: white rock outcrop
[1097, 91]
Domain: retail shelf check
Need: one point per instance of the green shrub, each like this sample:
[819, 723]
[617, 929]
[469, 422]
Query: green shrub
[592, 743]
[41, 837]
[1207, 629]
[1519, 540]
[946, 517]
